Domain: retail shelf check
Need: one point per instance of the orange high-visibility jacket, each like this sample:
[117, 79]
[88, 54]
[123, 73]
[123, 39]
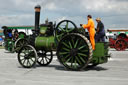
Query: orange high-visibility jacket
[91, 29]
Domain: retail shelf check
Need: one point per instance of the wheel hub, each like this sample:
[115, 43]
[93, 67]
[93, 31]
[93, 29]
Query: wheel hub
[42, 54]
[26, 57]
[73, 52]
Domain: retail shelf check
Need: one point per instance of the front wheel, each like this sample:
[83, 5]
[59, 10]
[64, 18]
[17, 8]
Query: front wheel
[27, 56]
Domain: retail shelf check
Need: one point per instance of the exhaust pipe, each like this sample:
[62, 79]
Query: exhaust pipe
[37, 18]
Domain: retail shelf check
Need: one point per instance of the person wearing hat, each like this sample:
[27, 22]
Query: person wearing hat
[91, 29]
[100, 33]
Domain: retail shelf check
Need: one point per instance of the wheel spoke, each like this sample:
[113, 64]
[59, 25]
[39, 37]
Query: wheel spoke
[68, 60]
[31, 57]
[32, 60]
[21, 55]
[70, 30]
[17, 48]
[24, 52]
[18, 45]
[31, 53]
[70, 44]
[73, 41]
[82, 59]
[24, 61]
[82, 54]
[82, 47]
[64, 57]
[59, 36]
[75, 66]
[67, 26]
[46, 59]
[76, 43]
[84, 50]
[66, 45]
[63, 53]
[78, 60]
[42, 60]
[22, 41]
[29, 62]
[66, 49]
[62, 29]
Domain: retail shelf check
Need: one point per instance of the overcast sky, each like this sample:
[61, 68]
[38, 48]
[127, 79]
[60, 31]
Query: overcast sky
[114, 13]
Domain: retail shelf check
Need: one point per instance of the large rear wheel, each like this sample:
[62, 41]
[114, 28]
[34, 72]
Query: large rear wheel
[74, 51]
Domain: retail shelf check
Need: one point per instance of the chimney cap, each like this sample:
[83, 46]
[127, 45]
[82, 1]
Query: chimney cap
[37, 6]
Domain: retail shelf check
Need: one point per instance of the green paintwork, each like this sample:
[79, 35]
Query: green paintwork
[21, 36]
[45, 42]
[43, 30]
[99, 49]
[100, 54]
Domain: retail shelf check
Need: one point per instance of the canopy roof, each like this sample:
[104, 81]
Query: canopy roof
[18, 27]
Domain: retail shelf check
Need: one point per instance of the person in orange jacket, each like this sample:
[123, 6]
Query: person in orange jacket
[91, 29]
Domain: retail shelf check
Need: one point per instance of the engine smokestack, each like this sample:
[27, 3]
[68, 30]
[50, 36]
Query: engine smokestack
[37, 18]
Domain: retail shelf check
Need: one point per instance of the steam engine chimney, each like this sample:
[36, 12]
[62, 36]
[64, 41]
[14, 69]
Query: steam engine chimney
[37, 18]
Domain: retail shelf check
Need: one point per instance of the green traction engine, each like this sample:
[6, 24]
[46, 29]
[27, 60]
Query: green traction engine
[14, 39]
[72, 46]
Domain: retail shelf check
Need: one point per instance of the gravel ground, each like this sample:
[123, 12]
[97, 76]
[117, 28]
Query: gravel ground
[115, 72]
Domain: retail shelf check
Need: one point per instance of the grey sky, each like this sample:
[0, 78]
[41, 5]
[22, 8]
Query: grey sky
[114, 13]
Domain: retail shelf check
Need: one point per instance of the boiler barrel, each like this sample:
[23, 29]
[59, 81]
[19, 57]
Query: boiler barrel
[47, 43]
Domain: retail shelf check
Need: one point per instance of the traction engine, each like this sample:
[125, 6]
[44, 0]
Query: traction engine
[72, 46]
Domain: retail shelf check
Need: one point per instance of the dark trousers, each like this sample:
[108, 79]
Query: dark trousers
[100, 37]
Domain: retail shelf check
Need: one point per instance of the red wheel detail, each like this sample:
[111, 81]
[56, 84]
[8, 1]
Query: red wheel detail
[120, 45]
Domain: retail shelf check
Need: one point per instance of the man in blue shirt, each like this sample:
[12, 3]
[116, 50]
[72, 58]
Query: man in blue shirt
[100, 33]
